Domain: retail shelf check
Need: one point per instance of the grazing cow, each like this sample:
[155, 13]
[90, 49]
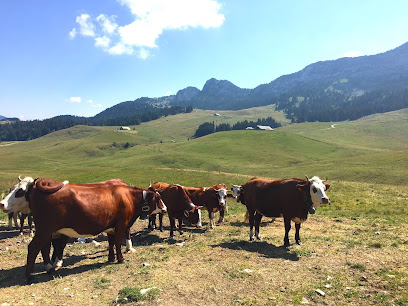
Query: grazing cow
[178, 205]
[291, 198]
[212, 198]
[12, 216]
[82, 211]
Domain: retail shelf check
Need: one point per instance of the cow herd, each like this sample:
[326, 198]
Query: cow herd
[61, 209]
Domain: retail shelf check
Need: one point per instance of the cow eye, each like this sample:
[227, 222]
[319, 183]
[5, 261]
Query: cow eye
[19, 193]
[314, 190]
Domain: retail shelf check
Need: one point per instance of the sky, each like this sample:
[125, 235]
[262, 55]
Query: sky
[79, 57]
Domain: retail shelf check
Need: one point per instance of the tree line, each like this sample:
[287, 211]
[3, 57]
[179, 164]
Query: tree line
[210, 127]
[27, 130]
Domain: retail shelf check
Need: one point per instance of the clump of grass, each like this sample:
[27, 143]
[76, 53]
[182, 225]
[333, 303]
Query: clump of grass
[357, 266]
[133, 294]
[101, 282]
[376, 245]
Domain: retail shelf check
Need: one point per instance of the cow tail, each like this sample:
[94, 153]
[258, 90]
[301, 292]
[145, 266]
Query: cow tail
[247, 216]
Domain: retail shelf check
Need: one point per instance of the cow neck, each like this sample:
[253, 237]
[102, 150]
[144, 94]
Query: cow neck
[307, 199]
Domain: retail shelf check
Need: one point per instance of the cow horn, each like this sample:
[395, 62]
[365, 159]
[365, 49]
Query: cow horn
[36, 180]
[307, 177]
[19, 178]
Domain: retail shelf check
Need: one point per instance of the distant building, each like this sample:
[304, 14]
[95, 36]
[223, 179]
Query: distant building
[249, 128]
[124, 128]
[264, 127]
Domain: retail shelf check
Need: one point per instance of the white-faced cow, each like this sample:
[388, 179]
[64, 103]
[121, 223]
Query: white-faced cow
[212, 198]
[291, 199]
[82, 211]
[178, 204]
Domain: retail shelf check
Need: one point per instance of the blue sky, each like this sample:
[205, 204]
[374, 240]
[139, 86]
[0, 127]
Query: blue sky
[80, 57]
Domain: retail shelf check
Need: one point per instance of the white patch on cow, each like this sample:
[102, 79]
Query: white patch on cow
[317, 192]
[251, 234]
[144, 195]
[74, 234]
[129, 247]
[12, 204]
[65, 182]
[57, 264]
[48, 267]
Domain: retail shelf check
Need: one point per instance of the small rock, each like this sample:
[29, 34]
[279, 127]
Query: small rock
[328, 286]
[144, 291]
[180, 243]
[348, 288]
[83, 253]
[363, 278]
[81, 240]
[96, 244]
[320, 292]
[94, 297]
[249, 271]
[377, 233]
[329, 278]
[70, 295]
[6, 249]
[145, 264]
[66, 289]
[33, 295]
[304, 301]
[391, 276]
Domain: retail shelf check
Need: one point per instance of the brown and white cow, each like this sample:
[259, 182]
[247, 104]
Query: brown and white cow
[291, 199]
[178, 205]
[81, 211]
[212, 198]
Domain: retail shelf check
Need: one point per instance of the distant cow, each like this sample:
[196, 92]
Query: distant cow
[178, 205]
[14, 216]
[291, 198]
[78, 211]
[212, 198]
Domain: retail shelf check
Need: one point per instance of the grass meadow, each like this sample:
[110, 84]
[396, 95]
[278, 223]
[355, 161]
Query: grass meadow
[354, 251]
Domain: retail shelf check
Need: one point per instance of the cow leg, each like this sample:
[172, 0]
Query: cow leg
[161, 222]
[251, 215]
[59, 245]
[11, 217]
[129, 247]
[152, 222]
[118, 243]
[287, 229]
[222, 213]
[45, 252]
[111, 241]
[172, 225]
[211, 216]
[22, 217]
[297, 236]
[257, 218]
[180, 220]
[38, 243]
[30, 225]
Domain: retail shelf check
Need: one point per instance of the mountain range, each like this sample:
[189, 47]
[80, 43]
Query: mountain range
[350, 77]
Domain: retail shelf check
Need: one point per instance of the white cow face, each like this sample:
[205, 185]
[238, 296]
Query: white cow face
[236, 190]
[16, 201]
[317, 191]
[222, 196]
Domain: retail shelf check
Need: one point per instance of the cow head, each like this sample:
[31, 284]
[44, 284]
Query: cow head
[16, 200]
[318, 191]
[236, 190]
[152, 204]
[191, 212]
[222, 197]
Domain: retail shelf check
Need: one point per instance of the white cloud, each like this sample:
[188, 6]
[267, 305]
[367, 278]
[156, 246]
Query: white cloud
[108, 24]
[151, 19]
[102, 42]
[86, 26]
[74, 99]
[93, 104]
[72, 34]
[120, 49]
[353, 54]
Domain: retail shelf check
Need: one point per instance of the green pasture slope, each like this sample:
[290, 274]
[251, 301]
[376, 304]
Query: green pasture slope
[365, 160]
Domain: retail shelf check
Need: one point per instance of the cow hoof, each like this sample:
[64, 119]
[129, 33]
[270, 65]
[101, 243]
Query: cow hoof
[111, 260]
[51, 271]
[161, 230]
[286, 244]
[121, 260]
[251, 239]
[298, 242]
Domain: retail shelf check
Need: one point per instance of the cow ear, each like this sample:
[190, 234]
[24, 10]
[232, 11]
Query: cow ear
[327, 186]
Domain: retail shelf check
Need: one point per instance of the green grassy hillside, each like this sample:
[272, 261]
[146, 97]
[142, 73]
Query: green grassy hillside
[372, 150]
